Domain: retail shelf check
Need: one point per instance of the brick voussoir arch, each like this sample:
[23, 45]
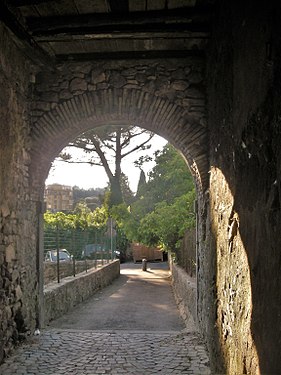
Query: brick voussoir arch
[72, 117]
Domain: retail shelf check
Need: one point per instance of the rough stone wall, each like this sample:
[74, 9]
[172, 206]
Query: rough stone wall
[179, 82]
[234, 295]
[242, 263]
[185, 290]
[60, 298]
[18, 242]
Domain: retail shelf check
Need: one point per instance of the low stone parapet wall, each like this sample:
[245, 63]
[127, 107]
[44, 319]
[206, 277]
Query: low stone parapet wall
[60, 298]
[186, 294]
[66, 269]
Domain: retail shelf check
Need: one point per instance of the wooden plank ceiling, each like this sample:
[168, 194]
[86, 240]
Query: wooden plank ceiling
[93, 29]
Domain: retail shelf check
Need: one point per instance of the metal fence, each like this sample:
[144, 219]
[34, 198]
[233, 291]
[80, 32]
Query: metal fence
[75, 240]
[87, 249]
[186, 254]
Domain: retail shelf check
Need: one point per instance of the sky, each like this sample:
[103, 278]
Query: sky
[87, 177]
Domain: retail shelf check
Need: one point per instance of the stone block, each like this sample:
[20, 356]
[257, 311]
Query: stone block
[195, 77]
[117, 80]
[102, 86]
[10, 253]
[91, 87]
[140, 77]
[5, 211]
[78, 84]
[42, 106]
[83, 68]
[98, 76]
[49, 96]
[178, 74]
[65, 95]
[18, 292]
[179, 85]
[193, 92]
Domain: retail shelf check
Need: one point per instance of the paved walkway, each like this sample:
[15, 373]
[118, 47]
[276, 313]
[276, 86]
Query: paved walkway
[132, 327]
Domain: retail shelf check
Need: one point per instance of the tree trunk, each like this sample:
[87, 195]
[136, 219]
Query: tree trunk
[116, 196]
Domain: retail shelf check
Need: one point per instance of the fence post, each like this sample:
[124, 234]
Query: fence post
[86, 269]
[108, 251]
[74, 270]
[96, 248]
[58, 253]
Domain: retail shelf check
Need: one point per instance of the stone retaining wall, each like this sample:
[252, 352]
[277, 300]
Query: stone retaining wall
[60, 298]
[185, 292]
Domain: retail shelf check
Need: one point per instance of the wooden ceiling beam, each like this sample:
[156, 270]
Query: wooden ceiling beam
[28, 45]
[117, 6]
[172, 19]
[22, 3]
[147, 35]
[131, 55]
[113, 31]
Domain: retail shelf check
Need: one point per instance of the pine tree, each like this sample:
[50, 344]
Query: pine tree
[141, 184]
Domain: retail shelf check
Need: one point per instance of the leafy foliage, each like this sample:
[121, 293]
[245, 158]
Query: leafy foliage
[163, 209]
[165, 226]
[170, 178]
[59, 219]
[82, 218]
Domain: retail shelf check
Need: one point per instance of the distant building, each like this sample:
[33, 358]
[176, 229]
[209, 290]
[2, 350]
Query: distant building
[59, 198]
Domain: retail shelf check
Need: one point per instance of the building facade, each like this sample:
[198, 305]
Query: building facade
[59, 198]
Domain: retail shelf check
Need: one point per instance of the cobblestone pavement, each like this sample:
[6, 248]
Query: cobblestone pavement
[132, 327]
[58, 352]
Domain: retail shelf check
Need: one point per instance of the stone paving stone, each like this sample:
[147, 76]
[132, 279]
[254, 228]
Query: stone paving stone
[59, 352]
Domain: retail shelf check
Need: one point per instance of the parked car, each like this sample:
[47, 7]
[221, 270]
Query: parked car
[64, 256]
[90, 250]
[67, 252]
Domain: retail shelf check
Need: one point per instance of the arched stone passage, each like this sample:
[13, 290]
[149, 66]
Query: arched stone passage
[82, 97]
[243, 93]
[90, 110]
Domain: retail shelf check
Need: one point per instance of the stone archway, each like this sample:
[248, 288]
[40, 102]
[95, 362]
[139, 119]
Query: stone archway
[168, 100]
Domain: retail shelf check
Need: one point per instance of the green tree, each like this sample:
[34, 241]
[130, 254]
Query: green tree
[141, 183]
[107, 146]
[170, 178]
[163, 209]
[126, 221]
[166, 224]
[127, 193]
